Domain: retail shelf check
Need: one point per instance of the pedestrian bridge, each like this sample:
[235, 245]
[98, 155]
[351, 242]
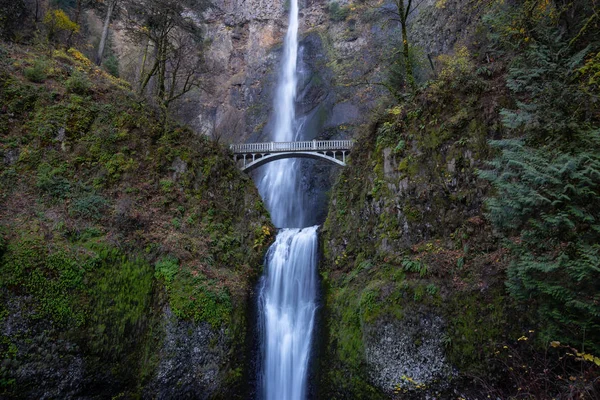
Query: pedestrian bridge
[252, 155]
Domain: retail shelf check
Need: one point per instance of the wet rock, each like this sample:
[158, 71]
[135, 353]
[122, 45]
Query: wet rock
[11, 156]
[179, 167]
[397, 350]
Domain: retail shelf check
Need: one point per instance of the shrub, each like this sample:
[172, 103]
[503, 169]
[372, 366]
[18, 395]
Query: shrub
[166, 269]
[552, 200]
[547, 182]
[78, 83]
[51, 181]
[338, 13]
[37, 72]
[89, 206]
[112, 65]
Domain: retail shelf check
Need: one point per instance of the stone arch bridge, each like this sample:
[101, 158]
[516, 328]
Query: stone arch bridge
[252, 155]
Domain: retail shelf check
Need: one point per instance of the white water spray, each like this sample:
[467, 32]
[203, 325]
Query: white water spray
[287, 301]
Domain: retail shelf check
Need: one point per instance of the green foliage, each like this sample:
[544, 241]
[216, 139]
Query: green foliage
[192, 295]
[88, 205]
[58, 22]
[338, 13]
[398, 79]
[38, 72]
[52, 182]
[78, 83]
[166, 185]
[475, 322]
[589, 74]
[368, 304]
[166, 269]
[456, 68]
[52, 278]
[552, 199]
[548, 186]
[18, 97]
[112, 65]
[551, 105]
[53, 262]
[418, 266]
[432, 289]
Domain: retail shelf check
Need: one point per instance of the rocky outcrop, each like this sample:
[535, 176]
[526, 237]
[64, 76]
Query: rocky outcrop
[406, 353]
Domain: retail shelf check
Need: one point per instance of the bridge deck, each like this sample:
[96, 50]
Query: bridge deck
[275, 147]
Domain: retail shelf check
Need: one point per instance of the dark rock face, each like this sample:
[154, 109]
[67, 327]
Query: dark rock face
[191, 359]
[48, 362]
[436, 27]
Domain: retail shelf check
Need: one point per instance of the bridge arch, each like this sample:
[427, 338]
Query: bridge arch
[297, 154]
[253, 155]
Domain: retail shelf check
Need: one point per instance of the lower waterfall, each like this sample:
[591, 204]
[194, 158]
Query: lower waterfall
[287, 307]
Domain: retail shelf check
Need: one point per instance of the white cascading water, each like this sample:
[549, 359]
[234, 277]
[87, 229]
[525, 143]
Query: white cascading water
[287, 300]
[279, 182]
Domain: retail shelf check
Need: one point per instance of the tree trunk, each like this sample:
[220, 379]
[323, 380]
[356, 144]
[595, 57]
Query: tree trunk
[72, 32]
[406, 54]
[162, 67]
[111, 6]
[143, 67]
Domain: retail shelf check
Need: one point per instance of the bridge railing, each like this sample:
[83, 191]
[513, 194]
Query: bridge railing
[273, 147]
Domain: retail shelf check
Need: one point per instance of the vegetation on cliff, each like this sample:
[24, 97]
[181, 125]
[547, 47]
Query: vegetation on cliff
[475, 201]
[112, 225]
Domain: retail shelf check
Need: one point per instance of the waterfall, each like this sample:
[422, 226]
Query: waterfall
[287, 306]
[287, 299]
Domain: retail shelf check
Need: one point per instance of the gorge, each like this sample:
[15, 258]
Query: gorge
[452, 255]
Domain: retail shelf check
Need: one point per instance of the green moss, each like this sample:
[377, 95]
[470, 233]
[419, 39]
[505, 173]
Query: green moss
[52, 278]
[473, 330]
[119, 293]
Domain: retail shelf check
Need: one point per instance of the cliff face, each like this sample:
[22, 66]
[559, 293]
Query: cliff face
[128, 246]
[345, 51]
[408, 255]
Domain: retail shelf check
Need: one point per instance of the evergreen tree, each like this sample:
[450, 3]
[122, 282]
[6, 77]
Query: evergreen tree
[547, 179]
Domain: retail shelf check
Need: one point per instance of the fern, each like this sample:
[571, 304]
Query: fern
[547, 196]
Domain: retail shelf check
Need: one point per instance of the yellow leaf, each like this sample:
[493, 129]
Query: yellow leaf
[555, 343]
